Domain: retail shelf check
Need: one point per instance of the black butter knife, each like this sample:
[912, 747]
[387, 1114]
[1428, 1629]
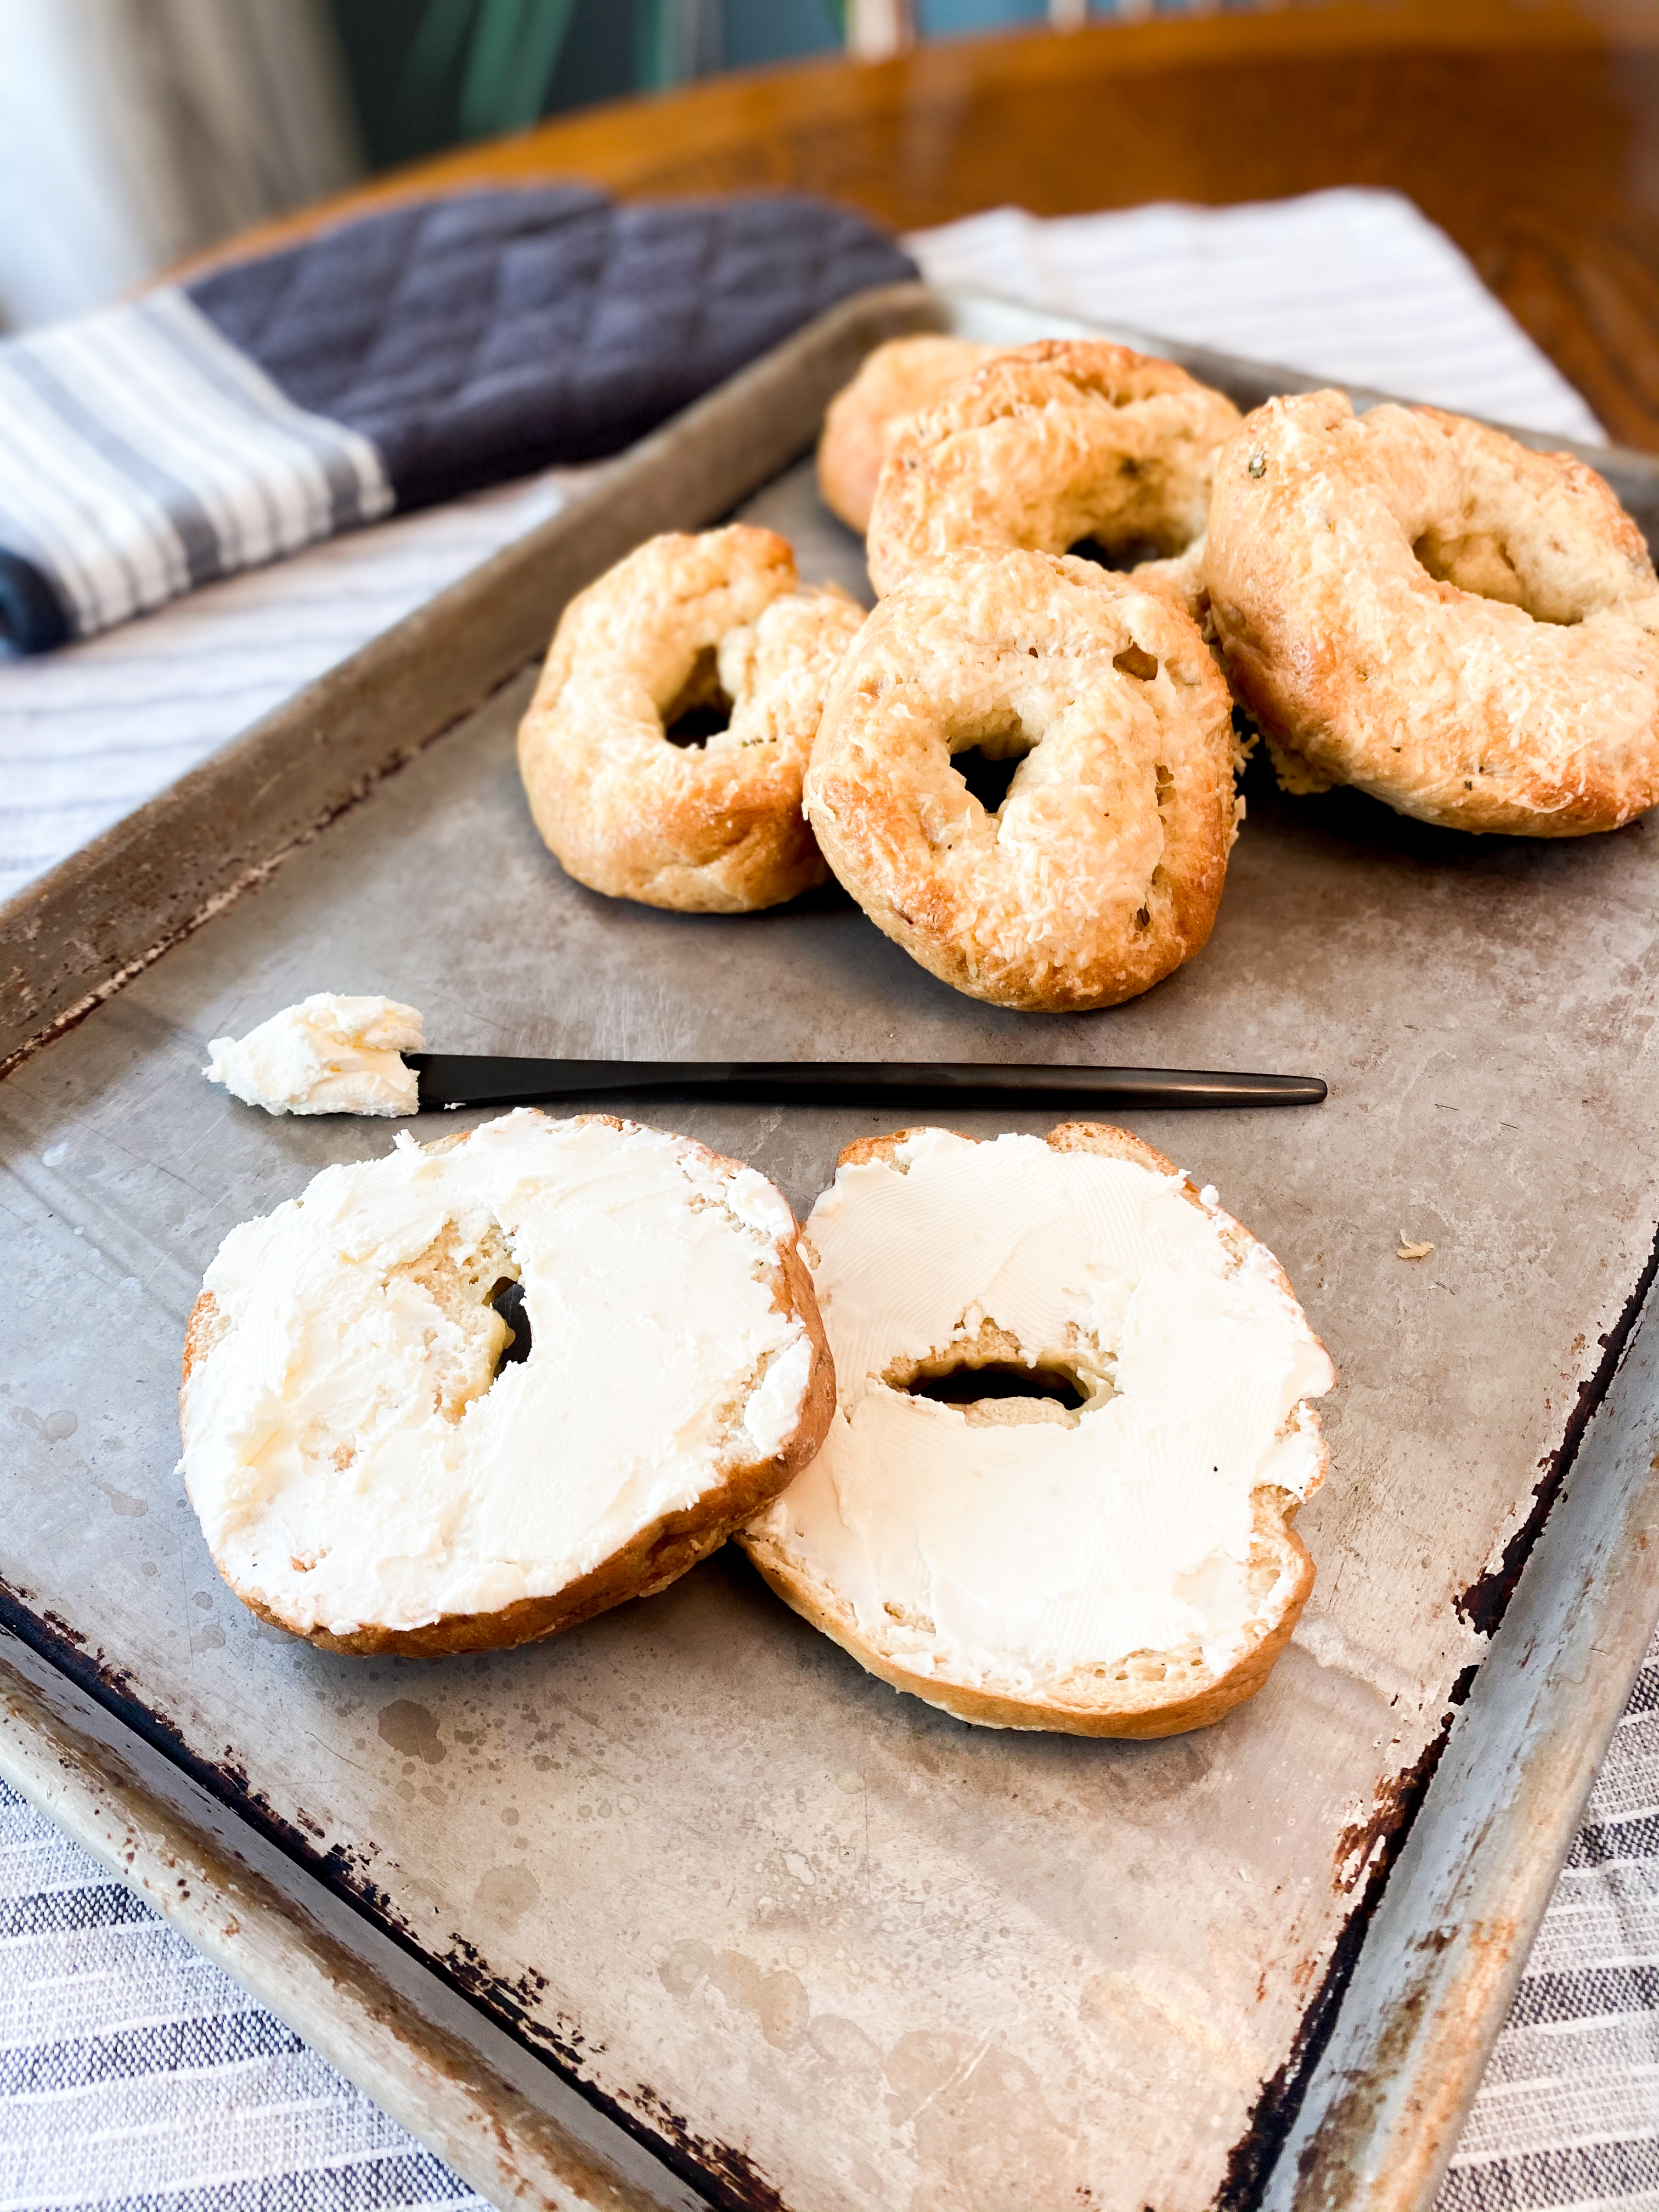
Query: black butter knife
[461, 1079]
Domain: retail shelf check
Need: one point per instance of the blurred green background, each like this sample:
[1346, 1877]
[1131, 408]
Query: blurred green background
[427, 73]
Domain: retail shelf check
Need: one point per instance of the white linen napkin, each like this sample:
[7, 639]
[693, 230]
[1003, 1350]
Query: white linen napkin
[1355, 285]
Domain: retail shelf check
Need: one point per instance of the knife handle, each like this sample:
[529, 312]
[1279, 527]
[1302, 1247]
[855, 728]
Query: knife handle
[480, 1079]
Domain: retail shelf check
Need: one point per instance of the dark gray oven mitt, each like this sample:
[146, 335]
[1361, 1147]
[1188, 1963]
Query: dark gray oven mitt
[401, 359]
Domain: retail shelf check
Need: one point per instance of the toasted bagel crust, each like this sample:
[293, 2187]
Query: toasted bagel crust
[1102, 869]
[894, 381]
[1067, 440]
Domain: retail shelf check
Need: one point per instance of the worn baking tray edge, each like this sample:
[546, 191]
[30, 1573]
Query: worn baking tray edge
[433, 2081]
[1453, 1924]
[1387, 2071]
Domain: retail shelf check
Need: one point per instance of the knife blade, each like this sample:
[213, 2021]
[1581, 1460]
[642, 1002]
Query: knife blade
[460, 1079]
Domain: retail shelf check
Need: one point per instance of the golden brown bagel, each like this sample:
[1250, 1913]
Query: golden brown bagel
[683, 626]
[1103, 868]
[896, 380]
[1067, 440]
[1416, 605]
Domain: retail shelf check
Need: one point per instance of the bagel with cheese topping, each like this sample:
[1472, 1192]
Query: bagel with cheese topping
[1114, 1558]
[1068, 442]
[1101, 868]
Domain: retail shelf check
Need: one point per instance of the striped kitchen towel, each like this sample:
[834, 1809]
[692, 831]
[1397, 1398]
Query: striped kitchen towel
[135, 2077]
[399, 360]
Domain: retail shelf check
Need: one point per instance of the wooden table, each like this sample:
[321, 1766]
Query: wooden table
[1530, 132]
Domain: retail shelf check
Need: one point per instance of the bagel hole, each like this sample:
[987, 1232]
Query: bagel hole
[988, 779]
[1000, 1379]
[507, 1299]
[1133, 662]
[992, 1392]
[1478, 562]
[698, 724]
[468, 1272]
[701, 710]
[1121, 557]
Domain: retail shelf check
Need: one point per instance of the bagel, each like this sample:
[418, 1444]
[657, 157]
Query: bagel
[895, 380]
[1124, 1567]
[1066, 442]
[1103, 868]
[368, 1478]
[693, 628]
[1415, 605]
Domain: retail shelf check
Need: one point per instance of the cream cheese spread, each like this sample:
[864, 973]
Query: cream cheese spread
[331, 1485]
[327, 1055]
[982, 1552]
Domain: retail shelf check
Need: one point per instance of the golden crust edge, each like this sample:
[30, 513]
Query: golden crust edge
[1149, 1716]
[1308, 762]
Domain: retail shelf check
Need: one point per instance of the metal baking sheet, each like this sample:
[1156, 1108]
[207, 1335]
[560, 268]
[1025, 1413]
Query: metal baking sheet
[811, 1944]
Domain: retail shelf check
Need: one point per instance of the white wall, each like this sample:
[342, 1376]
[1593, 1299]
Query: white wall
[134, 131]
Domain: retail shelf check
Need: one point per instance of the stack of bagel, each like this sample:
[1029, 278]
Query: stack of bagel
[1089, 565]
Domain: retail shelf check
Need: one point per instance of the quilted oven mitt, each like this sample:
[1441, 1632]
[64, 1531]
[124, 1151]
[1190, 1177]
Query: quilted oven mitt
[401, 359]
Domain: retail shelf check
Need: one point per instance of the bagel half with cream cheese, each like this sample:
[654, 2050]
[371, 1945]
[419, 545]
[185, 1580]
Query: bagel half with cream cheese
[1123, 1566]
[370, 1472]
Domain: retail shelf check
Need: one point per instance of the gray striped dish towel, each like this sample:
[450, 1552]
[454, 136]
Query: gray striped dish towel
[398, 360]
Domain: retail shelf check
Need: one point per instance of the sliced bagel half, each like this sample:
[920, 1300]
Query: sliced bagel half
[473, 1393]
[1073, 1425]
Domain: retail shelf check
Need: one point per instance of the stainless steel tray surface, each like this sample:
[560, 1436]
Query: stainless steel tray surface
[816, 1945]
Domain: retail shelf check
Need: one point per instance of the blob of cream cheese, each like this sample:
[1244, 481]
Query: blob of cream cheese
[327, 1480]
[329, 1054]
[985, 1552]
